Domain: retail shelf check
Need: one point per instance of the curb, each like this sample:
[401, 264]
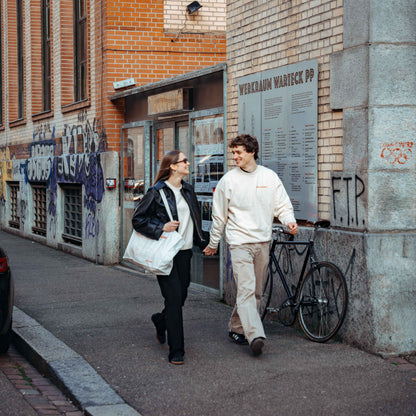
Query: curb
[67, 369]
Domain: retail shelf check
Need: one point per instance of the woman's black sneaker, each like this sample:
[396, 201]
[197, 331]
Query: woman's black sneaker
[160, 332]
[177, 360]
[239, 339]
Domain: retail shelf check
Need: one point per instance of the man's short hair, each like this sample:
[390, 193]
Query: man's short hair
[250, 143]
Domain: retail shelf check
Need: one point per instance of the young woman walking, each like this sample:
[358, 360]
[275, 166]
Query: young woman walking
[151, 219]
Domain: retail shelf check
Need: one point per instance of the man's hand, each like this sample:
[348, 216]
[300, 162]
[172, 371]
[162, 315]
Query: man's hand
[293, 228]
[208, 251]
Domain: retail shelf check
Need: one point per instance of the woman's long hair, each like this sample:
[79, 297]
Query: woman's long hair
[164, 170]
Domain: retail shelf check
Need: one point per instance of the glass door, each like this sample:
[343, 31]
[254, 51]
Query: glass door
[207, 169]
[134, 172]
[201, 138]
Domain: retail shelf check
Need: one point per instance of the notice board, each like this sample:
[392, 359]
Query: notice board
[280, 108]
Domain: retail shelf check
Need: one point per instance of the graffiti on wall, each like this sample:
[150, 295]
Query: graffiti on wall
[38, 166]
[6, 172]
[72, 158]
[85, 137]
[82, 169]
[397, 152]
[348, 192]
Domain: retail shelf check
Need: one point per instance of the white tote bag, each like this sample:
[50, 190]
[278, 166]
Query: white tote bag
[156, 256]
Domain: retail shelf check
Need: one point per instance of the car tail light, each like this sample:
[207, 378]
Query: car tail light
[3, 264]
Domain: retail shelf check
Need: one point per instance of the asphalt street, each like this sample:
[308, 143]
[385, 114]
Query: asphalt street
[102, 315]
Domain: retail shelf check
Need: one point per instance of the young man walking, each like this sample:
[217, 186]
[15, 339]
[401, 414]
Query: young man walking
[245, 202]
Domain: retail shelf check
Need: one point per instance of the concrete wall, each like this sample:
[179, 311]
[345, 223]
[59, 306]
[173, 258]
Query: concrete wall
[373, 82]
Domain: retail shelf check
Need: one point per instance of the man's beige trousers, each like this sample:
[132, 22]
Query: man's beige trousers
[249, 263]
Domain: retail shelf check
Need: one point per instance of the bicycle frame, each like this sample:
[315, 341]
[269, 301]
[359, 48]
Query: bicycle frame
[319, 299]
[309, 257]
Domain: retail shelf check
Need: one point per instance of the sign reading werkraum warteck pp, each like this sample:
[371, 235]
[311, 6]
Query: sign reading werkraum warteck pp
[280, 108]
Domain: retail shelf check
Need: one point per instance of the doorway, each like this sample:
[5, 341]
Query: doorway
[144, 144]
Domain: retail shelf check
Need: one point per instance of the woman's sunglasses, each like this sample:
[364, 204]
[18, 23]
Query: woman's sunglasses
[183, 160]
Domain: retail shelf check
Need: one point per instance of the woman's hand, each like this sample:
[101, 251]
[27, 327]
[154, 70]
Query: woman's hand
[170, 226]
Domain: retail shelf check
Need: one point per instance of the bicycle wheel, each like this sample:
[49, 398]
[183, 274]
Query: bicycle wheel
[266, 293]
[323, 301]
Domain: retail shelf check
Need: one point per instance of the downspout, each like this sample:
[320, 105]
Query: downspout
[121, 193]
[224, 98]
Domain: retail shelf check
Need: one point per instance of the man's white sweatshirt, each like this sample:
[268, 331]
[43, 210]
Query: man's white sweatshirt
[245, 203]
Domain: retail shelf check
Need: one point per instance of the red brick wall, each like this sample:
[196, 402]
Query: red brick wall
[136, 46]
[127, 39]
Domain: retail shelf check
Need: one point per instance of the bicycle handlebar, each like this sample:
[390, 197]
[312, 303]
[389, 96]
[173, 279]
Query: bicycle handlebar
[320, 223]
[278, 229]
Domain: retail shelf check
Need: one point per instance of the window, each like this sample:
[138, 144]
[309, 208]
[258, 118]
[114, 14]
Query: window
[80, 49]
[20, 69]
[39, 209]
[46, 56]
[14, 217]
[72, 214]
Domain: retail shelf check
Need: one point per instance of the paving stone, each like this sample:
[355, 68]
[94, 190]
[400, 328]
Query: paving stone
[40, 394]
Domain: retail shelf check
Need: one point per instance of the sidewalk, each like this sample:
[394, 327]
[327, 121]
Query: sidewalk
[98, 317]
[25, 392]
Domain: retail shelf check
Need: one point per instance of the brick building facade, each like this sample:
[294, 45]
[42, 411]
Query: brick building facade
[65, 129]
[59, 131]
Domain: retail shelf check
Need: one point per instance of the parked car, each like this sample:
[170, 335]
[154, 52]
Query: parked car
[6, 302]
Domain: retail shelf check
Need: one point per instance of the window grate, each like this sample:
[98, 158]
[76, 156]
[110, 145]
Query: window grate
[39, 209]
[14, 217]
[73, 214]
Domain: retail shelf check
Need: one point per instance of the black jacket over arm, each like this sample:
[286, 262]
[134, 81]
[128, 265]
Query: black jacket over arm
[150, 215]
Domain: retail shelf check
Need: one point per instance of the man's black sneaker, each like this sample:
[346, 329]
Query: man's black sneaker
[177, 360]
[256, 346]
[239, 339]
[160, 332]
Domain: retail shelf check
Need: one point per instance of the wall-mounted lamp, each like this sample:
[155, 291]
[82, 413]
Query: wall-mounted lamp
[193, 7]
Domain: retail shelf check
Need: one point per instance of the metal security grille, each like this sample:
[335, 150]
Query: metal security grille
[39, 209]
[73, 214]
[14, 217]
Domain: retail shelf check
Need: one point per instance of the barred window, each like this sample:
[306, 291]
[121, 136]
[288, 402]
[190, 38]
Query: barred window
[14, 217]
[39, 209]
[72, 214]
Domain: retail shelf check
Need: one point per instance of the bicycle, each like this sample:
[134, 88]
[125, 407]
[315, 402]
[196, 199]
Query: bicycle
[319, 299]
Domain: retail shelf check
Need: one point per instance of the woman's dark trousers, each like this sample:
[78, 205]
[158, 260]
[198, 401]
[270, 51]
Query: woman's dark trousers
[175, 290]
